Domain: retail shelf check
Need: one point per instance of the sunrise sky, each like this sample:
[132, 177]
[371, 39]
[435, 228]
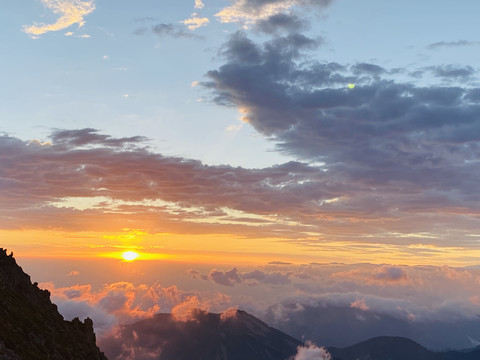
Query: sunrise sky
[241, 146]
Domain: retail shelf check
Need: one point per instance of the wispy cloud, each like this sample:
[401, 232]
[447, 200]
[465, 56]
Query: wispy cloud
[71, 12]
[452, 44]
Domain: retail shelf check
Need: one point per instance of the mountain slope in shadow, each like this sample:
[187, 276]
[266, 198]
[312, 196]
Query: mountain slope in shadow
[205, 336]
[397, 348]
[31, 327]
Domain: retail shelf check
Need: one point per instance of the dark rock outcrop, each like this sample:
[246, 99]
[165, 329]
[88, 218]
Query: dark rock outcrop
[30, 325]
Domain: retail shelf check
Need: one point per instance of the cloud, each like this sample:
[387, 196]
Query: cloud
[455, 72]
[84, 180]
[188, 310]
[273, 278]
[120, 178]
[195, 22]
[390, 273]
[359, 304]
[279, 263]
[289, 23]
[123, 302]
[399, 148]
[230, 313]
[452, 44]
[226, 278]
[253, 10]
[312, 352]
[166, 29]
[71, 12]
[199, 4]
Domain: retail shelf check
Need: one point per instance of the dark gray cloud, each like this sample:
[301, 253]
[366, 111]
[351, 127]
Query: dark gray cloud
[383, 138]
[289, 23]
[455, 72]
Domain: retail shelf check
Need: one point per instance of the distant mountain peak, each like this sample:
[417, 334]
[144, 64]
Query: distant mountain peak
[206, 336]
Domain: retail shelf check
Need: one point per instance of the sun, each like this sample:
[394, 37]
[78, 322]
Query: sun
[130, 255]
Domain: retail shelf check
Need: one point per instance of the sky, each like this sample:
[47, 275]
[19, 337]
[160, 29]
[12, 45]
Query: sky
[234, 144]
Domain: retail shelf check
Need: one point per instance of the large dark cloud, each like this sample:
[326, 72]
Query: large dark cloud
[385, 139]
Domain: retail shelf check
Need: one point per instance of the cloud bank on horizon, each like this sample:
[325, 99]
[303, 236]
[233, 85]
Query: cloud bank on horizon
[370, 300]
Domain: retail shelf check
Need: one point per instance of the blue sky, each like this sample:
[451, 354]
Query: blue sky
[125, 84]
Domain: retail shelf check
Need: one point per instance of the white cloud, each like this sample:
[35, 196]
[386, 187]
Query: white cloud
[195, 22]
[199, 4]
[312, 352]
[71, 12]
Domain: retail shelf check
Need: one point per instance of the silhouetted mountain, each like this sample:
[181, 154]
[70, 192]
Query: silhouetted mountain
[397, 348]
[205, 336]
[30, 325]
[341, 326]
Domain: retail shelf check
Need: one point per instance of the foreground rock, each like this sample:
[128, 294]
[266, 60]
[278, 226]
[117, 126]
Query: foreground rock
[31, 327]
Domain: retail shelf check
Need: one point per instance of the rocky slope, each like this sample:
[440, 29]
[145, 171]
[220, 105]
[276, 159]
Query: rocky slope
[31, 327]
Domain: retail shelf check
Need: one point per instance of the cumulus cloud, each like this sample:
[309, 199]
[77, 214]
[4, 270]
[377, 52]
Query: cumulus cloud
[199, 4]
[71, 12]
[122, 302]
[312, 352]
[188, 310]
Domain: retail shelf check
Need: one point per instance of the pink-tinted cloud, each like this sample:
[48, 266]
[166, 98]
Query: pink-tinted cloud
[83, 180]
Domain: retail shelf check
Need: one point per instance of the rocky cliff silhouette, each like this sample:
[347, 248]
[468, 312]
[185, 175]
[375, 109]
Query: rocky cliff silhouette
[30, 325]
